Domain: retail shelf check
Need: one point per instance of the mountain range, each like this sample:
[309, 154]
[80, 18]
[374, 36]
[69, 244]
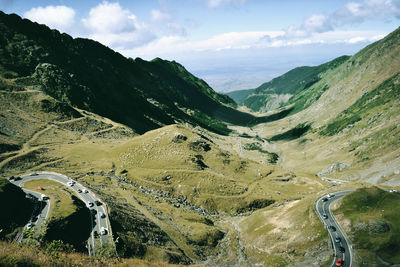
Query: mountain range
[188, 175]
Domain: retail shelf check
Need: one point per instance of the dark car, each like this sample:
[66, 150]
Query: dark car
[325, 199]
[337, 239]
[324, 216]
[341, 249]
[98, 203]
[332, 228]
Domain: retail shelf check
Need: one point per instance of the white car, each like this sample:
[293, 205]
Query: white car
[331, 195]
[85, 191]
[30, 225]
[70, 183]
[103, 231]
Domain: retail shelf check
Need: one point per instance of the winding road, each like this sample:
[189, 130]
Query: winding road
[98, 208]
[340, 242]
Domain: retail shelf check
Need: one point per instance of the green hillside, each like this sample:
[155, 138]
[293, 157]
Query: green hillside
[374, 229]
[83, 73]
[290, 84]
[240, 95]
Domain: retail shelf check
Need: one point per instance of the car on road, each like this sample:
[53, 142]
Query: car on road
[44, 197]
[324, 216]
[30, 225]
[18, 178]
[338, 239]
[34, 174]
[331, 195]
[103, 231]
[79, 190]
[85, 191]
[325, 199]
[90, 204]
[341, 249]
[102, 215]
[71, 183]
[332, 228]
[339, 262]
[98, 202]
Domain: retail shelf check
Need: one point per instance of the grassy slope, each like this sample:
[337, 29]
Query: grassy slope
[12, 254]
[78, 146]
[371, 216]
[360, 108]
[292, 83]
[240, 95]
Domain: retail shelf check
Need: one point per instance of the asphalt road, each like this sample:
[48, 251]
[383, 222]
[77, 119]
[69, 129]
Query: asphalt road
[324, 207]
[96, 225]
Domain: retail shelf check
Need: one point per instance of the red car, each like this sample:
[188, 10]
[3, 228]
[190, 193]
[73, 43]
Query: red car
[339, 262]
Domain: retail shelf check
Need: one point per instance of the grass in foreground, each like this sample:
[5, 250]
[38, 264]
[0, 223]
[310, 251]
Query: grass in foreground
[374, 216]
[12, 254]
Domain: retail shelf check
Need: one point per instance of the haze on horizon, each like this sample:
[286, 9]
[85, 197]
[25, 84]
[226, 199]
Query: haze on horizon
[231, 44]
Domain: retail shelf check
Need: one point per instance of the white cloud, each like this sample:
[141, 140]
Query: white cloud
[357, 12]
[176, 46]
[164, 25]
[350, 13]
[158, 16]
[218, 3]
[115, 26]
[58, 17]
[110, 18]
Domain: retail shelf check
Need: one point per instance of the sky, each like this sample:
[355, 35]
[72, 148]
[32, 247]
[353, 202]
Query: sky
[231, 44]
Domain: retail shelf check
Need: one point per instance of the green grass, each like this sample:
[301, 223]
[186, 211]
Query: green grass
[372, 102]
[365, 208]
[62, 204]
[240, 95]
[298, 82]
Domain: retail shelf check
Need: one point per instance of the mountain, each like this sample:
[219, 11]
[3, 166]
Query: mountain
[240, 95]
[278, 91]
[141, 94]
[350, 116]
[190, 192]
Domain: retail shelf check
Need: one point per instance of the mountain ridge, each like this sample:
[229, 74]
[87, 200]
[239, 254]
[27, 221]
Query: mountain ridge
[133, 92]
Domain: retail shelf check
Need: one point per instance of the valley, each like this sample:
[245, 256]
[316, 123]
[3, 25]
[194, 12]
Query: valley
[186, 176]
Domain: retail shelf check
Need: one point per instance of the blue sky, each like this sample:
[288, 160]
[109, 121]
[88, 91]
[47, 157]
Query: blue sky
[232, 44]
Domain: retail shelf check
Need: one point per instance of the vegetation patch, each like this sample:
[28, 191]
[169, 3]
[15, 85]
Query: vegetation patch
[199, 146]
[385, 93]
[374, 215]
[74, 229]
[291, 134]
[255, 205]
[273, 157]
